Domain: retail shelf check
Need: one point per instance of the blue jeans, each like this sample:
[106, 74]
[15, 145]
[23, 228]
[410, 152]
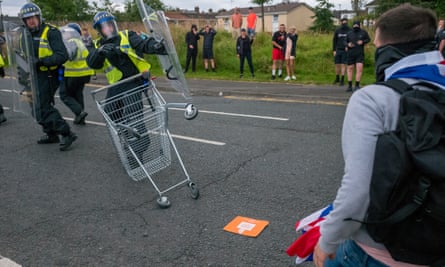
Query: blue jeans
[349, 254]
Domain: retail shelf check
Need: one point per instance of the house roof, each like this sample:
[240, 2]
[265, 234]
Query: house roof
[278, 8]
[373, 3]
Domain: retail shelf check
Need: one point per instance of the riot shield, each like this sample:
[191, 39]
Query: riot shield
[22, 69]
[156, 24]
[68, 35]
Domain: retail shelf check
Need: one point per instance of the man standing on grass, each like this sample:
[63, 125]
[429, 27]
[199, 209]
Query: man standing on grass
[356, 40]
[237, 22]
[278, 43]
[339, 48]
[251, 23]
[207, 53]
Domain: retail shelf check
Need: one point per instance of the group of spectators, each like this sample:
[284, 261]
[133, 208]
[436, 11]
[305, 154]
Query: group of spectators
[284, 46]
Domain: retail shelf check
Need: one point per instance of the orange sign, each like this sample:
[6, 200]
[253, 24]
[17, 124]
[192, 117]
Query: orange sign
[246, 226]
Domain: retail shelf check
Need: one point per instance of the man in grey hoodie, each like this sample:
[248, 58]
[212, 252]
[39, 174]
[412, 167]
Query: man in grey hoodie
[405, 44]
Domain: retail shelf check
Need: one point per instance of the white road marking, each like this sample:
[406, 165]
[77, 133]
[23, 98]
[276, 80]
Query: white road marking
[238, 115]
[183, 137]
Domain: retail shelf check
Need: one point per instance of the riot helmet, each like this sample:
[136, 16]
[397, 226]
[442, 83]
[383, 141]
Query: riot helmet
[30, 10]
[105, 24]
[75, 26]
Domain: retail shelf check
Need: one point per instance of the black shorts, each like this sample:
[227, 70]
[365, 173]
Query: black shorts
[354, 57]
[340, 57]
[207, 53]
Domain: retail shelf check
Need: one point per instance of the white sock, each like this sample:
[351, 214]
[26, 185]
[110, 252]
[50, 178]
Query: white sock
[273, 72]
[280, 71]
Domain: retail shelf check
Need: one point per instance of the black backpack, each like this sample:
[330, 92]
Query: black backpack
[407, 194]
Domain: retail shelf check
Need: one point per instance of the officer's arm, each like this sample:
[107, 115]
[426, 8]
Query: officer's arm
[147, 46]
[60, 55]
[95, 60]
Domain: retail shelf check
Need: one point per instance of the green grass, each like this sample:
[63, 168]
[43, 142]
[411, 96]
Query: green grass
[314, 61]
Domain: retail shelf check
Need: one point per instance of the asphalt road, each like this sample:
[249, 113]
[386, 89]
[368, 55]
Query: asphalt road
[263, 156]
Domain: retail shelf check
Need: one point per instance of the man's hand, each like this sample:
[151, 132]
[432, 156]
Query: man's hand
[320, 256]
[106, 49]
[159, 48]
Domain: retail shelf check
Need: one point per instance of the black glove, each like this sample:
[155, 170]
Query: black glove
[38, 63]
[107, 49]
[159, 48]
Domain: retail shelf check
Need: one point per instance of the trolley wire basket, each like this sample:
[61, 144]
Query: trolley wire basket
[136, 116]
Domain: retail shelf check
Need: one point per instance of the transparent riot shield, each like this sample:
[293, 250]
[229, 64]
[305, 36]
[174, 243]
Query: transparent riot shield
[69, 36]
[22, 69]
[156, 24]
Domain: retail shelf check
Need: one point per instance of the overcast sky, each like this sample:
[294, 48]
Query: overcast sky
[11, 7]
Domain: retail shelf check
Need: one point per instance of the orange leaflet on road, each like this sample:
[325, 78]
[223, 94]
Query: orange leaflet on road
[246, 226]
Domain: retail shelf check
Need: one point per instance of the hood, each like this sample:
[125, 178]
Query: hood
[428, 66]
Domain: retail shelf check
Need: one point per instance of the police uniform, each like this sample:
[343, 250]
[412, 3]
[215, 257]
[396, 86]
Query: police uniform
[76, 74]
[118, 55]
[50, 53]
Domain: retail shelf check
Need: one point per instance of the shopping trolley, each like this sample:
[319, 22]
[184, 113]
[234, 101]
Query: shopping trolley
[137, 119]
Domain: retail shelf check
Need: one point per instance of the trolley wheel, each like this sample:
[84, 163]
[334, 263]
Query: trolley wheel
[163, 202]
[190, 112]
[194, 190]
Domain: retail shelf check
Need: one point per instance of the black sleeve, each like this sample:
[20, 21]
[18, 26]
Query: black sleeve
[94, 59]
[60, 55]
[142, 46]
[334, 41]
[238, 45]
[187, 39]
[366, 38]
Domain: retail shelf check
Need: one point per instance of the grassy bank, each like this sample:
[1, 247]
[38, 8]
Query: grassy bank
[314, 61]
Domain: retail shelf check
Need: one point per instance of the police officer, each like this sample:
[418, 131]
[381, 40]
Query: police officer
[117, 53]
[49, 54]
[76, 72]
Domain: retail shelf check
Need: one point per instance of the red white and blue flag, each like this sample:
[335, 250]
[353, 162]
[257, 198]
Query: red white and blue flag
[309, 228]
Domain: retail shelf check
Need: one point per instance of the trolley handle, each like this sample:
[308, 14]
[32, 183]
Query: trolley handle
[133, 131]
[144, 75]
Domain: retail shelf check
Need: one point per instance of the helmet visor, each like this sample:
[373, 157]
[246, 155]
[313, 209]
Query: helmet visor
[108, 29]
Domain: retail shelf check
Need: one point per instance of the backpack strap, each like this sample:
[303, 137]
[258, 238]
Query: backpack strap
[397, 85]
[399, 215]
[418, 200]
[401, 86]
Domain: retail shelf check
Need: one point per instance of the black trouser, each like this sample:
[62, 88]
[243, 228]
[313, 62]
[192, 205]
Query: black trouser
[1, 109]
[46, 114]
[71, 93]
[248, 56]
[191, 55]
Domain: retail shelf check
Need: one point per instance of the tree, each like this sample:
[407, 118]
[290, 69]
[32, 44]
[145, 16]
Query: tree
[67, 10]
[357, 5]
[437, 6]
[261, 3]
[323, 17]
[132, 13]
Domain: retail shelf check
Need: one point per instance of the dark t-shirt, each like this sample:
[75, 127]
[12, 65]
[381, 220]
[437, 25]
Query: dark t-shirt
[279, 38]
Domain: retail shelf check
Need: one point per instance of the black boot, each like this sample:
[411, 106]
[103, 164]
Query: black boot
[67, 140]
[2, 118]
[2, 115]
[48, 139]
